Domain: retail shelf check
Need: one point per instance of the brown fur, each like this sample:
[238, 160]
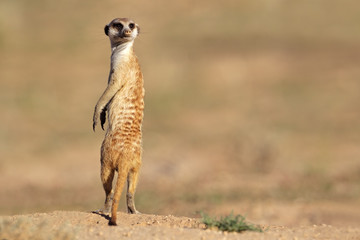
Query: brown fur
[123, 100]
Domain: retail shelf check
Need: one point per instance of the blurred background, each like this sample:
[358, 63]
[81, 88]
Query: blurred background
[251, 107]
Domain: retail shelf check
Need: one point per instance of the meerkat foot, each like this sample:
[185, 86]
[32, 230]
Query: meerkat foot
[131, 204]
[98, 211]
[105, 210]
[133, 211]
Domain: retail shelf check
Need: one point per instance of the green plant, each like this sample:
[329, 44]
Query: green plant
[230, 223]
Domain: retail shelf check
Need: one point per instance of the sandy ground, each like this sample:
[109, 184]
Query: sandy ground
[83, 225]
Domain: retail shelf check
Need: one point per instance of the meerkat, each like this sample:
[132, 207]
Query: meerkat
[123, 101]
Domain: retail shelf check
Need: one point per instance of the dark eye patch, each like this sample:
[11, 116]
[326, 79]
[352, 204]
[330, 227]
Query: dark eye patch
[118, 26]
[131, 26]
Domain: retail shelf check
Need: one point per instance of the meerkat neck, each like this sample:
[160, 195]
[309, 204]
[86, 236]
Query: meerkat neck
[121, 53]
[124, 47]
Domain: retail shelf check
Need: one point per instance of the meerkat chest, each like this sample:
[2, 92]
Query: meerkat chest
[128, 102]
[131, 95]
[131, 82]
[127, 105]
[126, 109]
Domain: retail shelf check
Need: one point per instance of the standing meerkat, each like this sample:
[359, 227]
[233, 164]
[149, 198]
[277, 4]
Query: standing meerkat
[123, 100]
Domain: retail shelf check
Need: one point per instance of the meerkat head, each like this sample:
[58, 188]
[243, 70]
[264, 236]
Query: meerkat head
[121, 30]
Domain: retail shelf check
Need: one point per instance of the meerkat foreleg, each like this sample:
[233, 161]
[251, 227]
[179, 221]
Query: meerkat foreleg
[105, 98]
[131, 187]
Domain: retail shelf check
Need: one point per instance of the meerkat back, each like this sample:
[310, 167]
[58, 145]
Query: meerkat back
[123, 102]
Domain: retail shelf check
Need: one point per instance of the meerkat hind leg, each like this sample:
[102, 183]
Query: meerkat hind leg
[132, 182]
[107, 176]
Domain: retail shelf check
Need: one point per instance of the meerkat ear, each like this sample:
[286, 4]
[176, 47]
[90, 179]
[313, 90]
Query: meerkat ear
[138, 29]
[106, 29]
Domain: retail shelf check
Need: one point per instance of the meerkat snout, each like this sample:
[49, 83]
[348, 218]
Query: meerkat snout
[127, 32]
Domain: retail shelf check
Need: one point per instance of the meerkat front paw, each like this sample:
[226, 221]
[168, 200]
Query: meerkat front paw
[102, 114]
[103, 117]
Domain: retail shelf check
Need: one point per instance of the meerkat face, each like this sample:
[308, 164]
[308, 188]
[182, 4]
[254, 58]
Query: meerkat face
[121, 30]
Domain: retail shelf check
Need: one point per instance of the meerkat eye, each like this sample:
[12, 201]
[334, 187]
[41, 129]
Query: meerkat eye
[131, 26]
[118, 26]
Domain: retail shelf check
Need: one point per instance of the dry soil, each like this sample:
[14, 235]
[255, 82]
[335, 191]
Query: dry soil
[84, 225]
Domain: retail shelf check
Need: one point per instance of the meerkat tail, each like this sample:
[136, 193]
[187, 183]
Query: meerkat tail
[122, 175]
